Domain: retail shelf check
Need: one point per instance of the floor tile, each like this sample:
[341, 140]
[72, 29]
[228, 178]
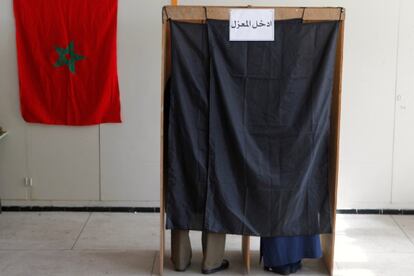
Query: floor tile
[120, 231]
[407, 225]
[358, 234]
[365, 224]
[377, 264]
[46, 230]
[76, 263]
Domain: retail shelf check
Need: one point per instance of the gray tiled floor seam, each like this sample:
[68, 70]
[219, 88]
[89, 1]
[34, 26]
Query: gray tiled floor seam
[402, 229]
[154, 263]
[80, 232]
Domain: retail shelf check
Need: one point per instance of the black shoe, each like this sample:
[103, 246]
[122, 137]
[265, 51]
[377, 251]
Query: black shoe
[282, 270]
[285, 269]
[224, 265]
[295, 267]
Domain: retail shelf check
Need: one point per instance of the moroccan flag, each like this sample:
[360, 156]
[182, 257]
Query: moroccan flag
[66, 51]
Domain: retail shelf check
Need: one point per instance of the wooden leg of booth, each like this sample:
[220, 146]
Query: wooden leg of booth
[162, 246]
[327, 241]
[246, 253]
[165, 73]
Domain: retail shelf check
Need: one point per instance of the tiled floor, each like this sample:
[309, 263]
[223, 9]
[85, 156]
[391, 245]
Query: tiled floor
[126, 244]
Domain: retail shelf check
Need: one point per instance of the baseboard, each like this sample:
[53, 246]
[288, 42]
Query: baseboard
[120, 209]
[81, 203]
[376, 211]
[107, 209]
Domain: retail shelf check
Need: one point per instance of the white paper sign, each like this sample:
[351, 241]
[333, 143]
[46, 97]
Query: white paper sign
[252, 25]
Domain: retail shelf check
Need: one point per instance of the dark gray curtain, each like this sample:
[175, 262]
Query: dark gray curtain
[187, 128]
[249, 125]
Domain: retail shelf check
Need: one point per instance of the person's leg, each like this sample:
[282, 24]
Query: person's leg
[180, 249]
[213, 252]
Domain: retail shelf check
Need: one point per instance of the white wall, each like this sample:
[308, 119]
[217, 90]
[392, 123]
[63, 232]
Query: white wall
[403, 165]
[121, 161]
[117, 164]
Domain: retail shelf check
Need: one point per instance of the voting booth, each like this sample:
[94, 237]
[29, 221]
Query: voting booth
[240, 184]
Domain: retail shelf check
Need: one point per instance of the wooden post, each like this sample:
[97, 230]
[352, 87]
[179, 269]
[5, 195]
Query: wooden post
[165, 69]
[162, 207]
[246, 253]
[328, 240]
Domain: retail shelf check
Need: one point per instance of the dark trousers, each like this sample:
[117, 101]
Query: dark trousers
[213, 249]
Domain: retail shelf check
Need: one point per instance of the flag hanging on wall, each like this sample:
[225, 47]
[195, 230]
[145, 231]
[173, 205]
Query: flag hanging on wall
[66, 52]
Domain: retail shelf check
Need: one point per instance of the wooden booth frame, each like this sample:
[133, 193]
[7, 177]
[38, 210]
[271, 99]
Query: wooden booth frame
[199, 14]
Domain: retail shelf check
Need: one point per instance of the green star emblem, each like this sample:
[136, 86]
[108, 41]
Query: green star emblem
[68, 57]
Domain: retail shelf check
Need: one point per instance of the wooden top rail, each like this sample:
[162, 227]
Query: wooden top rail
[191, 13]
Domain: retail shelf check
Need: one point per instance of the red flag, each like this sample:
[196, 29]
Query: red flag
[66, 53]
